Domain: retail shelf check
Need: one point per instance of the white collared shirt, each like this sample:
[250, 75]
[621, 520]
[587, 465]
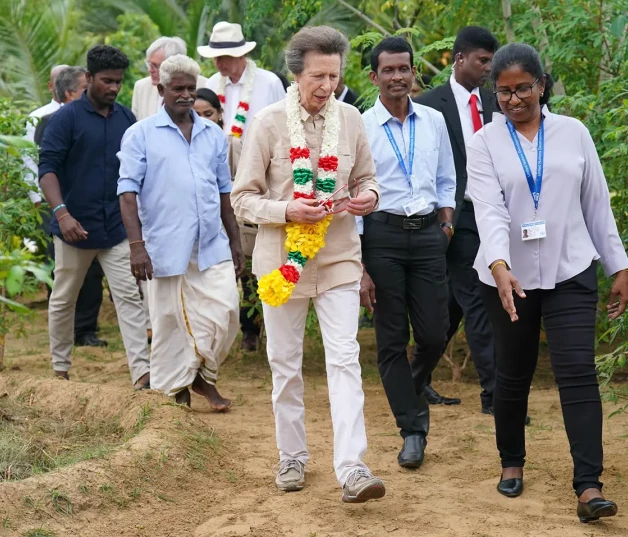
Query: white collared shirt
[267, 89]
[462, 96]
[31, 178]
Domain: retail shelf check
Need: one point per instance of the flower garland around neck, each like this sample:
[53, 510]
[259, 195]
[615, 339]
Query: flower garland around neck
[237, 129]
[303, 241]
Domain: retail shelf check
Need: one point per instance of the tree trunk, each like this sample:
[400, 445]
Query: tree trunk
[507, 14]
[2, 340]
[559, 88]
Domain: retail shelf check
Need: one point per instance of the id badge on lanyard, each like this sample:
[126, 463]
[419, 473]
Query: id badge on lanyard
[418, 203]
[534, 229]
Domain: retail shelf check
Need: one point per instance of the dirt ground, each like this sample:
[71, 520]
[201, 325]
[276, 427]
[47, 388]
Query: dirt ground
[196, 473]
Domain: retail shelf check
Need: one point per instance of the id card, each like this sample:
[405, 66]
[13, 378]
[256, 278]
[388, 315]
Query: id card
[533, 230]
[415, 206]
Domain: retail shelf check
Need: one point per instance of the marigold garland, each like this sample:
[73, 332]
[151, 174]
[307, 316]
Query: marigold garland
[237, 129]
[303, 241]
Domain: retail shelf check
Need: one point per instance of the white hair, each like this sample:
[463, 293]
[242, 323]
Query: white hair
[170, 45]
[178, 65]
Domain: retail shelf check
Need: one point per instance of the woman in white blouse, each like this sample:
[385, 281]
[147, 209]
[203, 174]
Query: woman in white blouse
[543, 212]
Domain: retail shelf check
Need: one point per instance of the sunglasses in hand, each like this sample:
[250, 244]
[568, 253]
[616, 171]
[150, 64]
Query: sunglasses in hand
[335, 206]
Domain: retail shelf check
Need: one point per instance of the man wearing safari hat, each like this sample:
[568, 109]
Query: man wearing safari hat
[243, 88]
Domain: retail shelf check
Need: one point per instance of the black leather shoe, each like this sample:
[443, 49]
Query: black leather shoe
[89, 340]
[435, 398]
[413, 452]
[511, 487]
[490, 410]
[595, 509]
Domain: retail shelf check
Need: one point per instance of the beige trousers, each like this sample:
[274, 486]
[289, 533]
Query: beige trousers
[71, 265]
[195, 319]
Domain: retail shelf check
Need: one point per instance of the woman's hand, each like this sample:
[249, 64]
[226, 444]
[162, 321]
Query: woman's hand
[362, 204]
[506, 282]
[619, 296]
[305, 211]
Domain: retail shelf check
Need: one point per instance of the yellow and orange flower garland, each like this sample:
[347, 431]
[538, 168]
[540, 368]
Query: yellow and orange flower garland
[303, 241]
[237, 129]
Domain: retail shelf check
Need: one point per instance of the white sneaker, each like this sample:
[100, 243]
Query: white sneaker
[290, 476]
[361, 486]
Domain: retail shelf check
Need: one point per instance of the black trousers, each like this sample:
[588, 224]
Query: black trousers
[409, 271]
[249, 289]
[568, 314]
[465, 301]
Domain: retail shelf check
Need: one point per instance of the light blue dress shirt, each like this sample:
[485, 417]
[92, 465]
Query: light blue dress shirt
[434, 174]
[178, 186]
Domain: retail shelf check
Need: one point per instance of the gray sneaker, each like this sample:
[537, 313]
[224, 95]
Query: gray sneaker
[362, 486]
[290, 476]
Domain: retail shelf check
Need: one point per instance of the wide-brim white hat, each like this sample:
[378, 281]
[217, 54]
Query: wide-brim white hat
[226, 40]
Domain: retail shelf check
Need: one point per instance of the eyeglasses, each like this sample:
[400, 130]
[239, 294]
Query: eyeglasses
[151, 65]
[523, 92]
[335, 206]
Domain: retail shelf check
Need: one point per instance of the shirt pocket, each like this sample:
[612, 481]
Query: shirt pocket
[345, 163]
[279, 172]
[427, 162]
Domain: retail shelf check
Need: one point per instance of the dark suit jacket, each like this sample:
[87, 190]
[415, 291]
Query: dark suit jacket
[442, 99]
[351, 97]
[41, 127]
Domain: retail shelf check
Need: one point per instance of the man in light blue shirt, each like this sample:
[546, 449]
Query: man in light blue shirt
[404, 243]
[175, 165]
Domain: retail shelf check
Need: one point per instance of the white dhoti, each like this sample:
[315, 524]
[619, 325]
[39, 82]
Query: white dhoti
[195, 319]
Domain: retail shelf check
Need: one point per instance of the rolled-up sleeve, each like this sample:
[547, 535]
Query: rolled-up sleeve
[132, 157]
[223, 173]
[250, 194]
[596, 208]
[446, 171]
[56, 143]
[491, 214]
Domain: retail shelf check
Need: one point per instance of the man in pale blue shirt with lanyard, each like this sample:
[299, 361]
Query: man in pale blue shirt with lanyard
[404, 243]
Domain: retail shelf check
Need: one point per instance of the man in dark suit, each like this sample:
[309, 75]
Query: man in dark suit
[346, 94]
[467, 106]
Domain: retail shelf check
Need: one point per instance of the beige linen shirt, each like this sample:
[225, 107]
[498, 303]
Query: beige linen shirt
[263, 188]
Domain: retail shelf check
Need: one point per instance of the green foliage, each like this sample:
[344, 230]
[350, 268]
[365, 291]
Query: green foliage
[135, 33]
[21, 269]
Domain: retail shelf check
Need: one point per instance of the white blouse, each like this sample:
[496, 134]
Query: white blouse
[574, 202]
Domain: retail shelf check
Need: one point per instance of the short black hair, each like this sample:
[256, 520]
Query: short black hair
[68, 80]
[392, 44]
[105, 58]
[208, 95]
[525, 57]
[472, 38]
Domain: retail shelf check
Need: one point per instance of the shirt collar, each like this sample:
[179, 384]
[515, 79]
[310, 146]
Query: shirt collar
[163, 119]
[462, 93]
[305, 114]
[383, 115]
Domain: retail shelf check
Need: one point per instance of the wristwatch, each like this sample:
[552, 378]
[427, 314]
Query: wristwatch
[448, 225]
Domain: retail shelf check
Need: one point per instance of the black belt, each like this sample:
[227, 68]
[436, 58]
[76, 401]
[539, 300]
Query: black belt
[405, 222]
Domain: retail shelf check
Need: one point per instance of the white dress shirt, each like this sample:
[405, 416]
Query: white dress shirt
[462, 96]
[42, 111]
[574, 202]
[267, 89]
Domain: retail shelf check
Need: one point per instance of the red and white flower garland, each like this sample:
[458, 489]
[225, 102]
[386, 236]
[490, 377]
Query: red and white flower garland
[237, 128]
[303, 241]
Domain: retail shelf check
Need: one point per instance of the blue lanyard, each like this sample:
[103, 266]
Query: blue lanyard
[393, 143]
[535, 187]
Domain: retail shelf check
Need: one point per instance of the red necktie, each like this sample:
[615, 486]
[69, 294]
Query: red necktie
[475, 113]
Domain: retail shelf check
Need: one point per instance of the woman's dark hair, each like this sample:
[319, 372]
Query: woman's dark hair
[209, 96]
[525, 57]
[394, 45]
[472, 38]
[106, 58]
